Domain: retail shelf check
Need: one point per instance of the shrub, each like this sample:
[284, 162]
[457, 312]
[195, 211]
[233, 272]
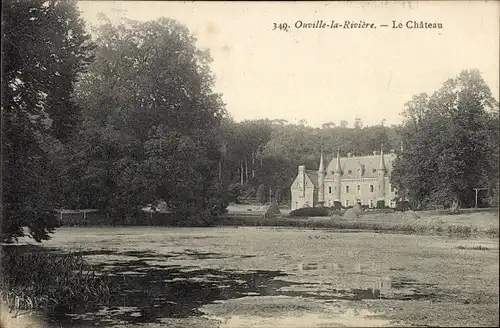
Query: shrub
[384, 210]
[234, 192]
[248, 191]
[492, 231]
[494, 196]
[35, 279]
[335, 212]
[402, 206]
[261, 194]
[337, 205]
[380, 203]
[311, 211]
[478, 248]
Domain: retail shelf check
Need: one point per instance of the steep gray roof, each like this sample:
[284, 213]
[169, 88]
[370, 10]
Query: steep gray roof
[313, 175]
[370, 164]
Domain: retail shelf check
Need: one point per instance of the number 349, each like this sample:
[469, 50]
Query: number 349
[281, 26]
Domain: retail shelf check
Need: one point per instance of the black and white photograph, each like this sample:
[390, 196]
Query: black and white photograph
[225, 164]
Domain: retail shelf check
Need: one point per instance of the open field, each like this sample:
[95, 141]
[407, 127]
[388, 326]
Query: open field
[272, 277]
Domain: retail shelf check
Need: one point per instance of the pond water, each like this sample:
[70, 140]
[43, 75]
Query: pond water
[145, 293]
[185, 277]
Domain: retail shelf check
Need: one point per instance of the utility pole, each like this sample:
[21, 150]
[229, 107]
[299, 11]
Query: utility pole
[478, 190]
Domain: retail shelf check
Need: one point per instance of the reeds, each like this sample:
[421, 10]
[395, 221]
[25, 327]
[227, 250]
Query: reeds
[41, 280]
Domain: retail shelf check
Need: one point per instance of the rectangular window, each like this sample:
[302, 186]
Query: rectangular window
[371, 202]
[371, 188]
[346, 189]
[359, 188]
[346, 203]
[329, 190]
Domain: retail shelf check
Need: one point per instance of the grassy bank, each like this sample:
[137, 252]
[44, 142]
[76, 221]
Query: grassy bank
[464, 225]
[32, 278]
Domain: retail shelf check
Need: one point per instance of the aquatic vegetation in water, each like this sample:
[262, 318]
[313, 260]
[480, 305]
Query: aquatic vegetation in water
[35, 279]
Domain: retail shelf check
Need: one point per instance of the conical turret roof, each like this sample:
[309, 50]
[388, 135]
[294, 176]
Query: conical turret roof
[338, 167]
[321, 164]
[381, 166]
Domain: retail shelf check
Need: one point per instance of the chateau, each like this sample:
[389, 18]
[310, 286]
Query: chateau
[348, 180]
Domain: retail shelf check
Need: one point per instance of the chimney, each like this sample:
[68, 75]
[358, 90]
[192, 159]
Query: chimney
[374, 153]
[302, 175]
[348, 154]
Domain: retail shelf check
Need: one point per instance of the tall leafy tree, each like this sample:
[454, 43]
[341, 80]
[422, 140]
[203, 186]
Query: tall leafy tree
[450, 143]
[44, 48]
[152, 123]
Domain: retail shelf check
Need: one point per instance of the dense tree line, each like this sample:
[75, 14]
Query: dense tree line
[276, 148]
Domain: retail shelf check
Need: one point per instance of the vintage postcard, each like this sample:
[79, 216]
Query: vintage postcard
[249, 164]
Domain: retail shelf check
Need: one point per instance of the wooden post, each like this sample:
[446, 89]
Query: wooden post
[477, 190]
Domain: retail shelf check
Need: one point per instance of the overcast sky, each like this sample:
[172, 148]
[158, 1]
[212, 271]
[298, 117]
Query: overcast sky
[328, 75]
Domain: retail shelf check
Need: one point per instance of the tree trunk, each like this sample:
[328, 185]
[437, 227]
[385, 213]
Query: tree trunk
[220, 170]
[253, 164]
[241, 172]
[246, 169]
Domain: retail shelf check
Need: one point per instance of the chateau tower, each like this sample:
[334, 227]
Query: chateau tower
[336, 178]
[321, 180]
[381, 172]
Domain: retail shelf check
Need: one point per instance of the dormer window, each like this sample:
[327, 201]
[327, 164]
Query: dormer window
[361, 170]
[374, 170]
